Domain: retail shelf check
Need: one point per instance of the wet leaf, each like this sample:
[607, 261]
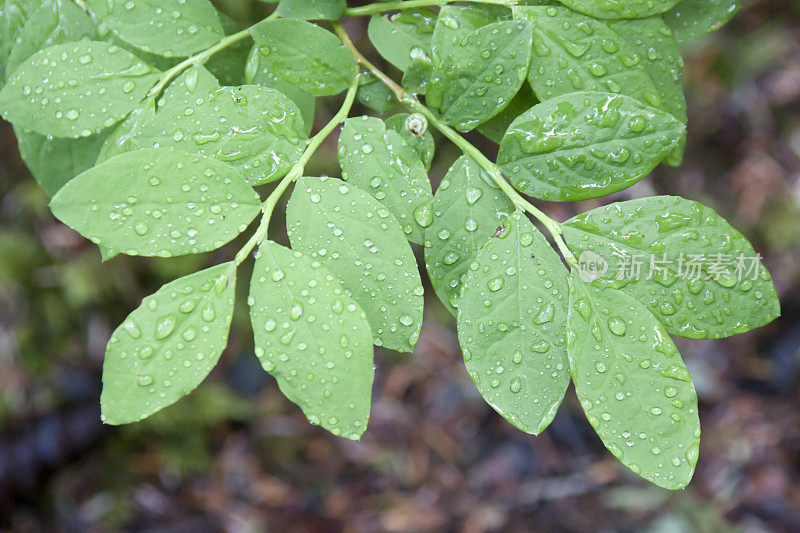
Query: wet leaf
[305, 55]
[358, 240]
[495, 128]
[455, 23]
[171, 28]
[380, 162]
[180, 94]
[54, 161]
[692, 19]
[656, 45]
[55, 22]
[419, 75]
[313, 338]
[573, 52]
[254, 128]
[229, 65]
[660, 57]
[586, 145]
[619, 9]
[120, 139]
[257, 73]
[13, 16]
[373, 94]
[698, 275]
[75, 89]
[477, 77]
[311, 9]
[401, 37]
[158, 202]
[632, 384]
[511, 322]
[167, 347]
[467, 209]
[420, 139]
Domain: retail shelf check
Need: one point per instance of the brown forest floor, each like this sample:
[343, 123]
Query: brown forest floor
[236, 455]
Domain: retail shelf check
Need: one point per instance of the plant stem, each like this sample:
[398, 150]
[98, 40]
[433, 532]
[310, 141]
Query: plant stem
[414, 105]
[397, 90]
[552, 226]
[295, 173]
[380, 7]
[200, 58]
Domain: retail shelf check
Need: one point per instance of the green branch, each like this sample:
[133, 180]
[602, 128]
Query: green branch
[552, 226]
[413, 104]
[381, 7]
[295, 173]
[200, 58]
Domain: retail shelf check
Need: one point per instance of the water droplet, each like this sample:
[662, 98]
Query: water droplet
[132, 329]
[616, 325]
[495, 284]
[423, 214]
[207, 313]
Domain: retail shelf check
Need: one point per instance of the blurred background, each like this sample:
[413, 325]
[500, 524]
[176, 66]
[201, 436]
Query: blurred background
[236, 455]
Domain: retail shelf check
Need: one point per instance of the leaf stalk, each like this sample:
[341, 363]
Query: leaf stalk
[380, 7]
[414, 105]
[295, 173]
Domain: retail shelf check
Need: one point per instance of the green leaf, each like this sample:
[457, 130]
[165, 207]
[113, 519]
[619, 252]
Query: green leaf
[420, 139]
[586, 145]
[120, 140]
[632, 384]
[55, 22]
[311, 9]
[455, 23]
[655, 44]
[656, 47]
[193, 83]
[468, 209]
[381, 162]
[619, 9]
[305, 55]
[418, 78]
[495, 128]
[573, 52]
[257, 73]
[158, 202]
[228, 65]
[75, 89]
[178, 96]
[401, 37]
[373, 94]
[511, 321]
[313, 338]
[156, 61]
[107, 254]
[254, 128]
[684, 250]
[13, 16]
[358, 239]
[167, 347]
[477, 77]
[171, 28]
[54, 161]
[692, 19]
